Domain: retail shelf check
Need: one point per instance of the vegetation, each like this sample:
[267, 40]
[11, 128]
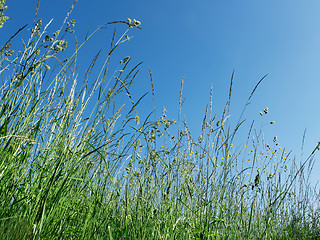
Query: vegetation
[76, 163]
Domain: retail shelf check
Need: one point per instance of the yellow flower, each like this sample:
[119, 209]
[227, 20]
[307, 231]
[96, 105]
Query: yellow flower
[244, 145]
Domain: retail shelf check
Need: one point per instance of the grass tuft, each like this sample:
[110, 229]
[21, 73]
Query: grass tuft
[78, 162]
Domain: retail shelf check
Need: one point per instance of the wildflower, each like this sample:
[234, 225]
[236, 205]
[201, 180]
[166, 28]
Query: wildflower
[244, 145]
[249, 160]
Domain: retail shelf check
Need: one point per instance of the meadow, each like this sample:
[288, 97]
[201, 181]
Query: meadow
[79, 161]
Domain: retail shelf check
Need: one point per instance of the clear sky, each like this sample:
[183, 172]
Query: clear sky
[206, 40]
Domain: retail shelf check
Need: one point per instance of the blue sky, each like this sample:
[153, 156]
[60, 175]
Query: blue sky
[205, 41]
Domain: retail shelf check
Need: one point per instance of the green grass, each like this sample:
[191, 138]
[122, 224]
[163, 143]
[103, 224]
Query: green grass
[71, 171]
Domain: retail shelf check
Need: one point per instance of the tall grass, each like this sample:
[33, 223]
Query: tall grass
[76, 163]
